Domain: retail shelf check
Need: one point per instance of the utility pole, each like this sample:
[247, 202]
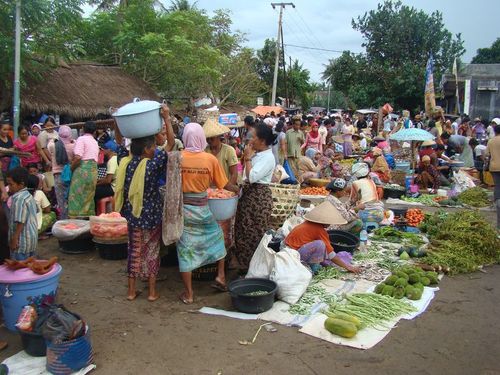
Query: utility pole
[276, 63]
[328, 105]
[284, 68]
[17, 68]
[290, 78]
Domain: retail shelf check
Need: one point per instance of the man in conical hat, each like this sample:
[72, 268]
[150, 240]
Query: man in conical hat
[311, 239]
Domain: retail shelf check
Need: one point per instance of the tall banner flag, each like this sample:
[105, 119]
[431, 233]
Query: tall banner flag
[430, 98]
[455, 73]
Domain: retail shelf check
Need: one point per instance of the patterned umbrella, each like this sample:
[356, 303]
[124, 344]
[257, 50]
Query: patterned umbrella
[412, 134]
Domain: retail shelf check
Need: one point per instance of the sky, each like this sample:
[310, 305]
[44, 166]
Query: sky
[326, 24]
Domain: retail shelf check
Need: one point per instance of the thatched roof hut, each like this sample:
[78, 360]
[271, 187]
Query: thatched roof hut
[83, 90]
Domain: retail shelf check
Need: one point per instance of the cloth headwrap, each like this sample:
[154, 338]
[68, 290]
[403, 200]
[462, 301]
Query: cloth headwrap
[426, 158]
[314, 133]
[60, 150]
[329, 153]
[377, 151]
[193, 138]
[136, 189]
[110, 145]
[336, 184]
[37, 126]
[310, 152]
[360, 170]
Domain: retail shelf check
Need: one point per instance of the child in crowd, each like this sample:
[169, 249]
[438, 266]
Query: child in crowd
[45, 216]
[35, 171]
[23, 225]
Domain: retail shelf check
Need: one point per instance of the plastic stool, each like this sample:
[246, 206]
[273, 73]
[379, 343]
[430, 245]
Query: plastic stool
[370, 226]
[105, 205]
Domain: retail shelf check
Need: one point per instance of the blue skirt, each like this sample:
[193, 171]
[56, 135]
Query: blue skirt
[202, 241]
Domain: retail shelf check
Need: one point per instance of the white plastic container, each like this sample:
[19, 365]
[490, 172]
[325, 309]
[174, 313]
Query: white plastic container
[223, 208]
[138, 119]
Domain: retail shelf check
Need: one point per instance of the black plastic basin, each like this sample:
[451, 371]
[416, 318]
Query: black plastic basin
[239, 290]
[343, 241]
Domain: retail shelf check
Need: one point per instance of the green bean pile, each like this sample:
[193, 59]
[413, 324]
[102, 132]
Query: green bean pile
[372, 309]
[313, 294]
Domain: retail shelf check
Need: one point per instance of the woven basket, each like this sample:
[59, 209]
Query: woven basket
[285, 199]
[398, 177]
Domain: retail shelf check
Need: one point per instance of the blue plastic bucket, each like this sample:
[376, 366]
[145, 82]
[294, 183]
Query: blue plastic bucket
[15, 295]
[70, 356]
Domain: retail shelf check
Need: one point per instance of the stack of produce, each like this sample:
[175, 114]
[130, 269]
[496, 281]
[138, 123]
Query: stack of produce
[108, 227]
[369, 310]
[425, 199]
[460, 242]
[220, 194]
[407, 282]
[447, 201]
[314, 191]
[475, 197]
[414, 217]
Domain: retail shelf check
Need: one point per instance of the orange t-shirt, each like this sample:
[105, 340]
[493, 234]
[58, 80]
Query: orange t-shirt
[199, 171]
[308, 232]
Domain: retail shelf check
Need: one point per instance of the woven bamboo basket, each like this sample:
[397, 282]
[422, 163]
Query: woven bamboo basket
[398, 177]
[285, 199]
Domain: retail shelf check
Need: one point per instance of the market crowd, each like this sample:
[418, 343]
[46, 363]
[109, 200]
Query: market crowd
[56, 173]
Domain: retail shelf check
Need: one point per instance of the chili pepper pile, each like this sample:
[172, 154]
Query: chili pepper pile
[314, 191]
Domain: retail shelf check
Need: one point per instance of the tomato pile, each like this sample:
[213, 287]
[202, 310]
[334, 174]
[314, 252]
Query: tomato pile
[415, 216]
[314, 191]
[220, 194]
[109, 226]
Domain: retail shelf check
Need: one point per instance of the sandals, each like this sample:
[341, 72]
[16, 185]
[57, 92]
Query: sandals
[137, 294]
[184, 299]
[219, 286]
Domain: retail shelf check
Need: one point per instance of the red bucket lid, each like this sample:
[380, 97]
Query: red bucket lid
[24, 275]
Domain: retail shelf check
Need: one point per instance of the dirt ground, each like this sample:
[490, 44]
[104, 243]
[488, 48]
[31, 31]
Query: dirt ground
[458, 334]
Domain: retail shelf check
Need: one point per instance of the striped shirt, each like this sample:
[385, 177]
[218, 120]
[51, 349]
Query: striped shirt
[23, 210]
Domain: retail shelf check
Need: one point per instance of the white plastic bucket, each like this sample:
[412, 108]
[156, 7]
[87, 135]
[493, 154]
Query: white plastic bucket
[138, 119]
[223, 208]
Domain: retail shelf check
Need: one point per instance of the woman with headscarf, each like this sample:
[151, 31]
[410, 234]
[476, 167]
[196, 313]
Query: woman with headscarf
[428, 176]
[256, 203]
[202, 240]
[380, 166]
[308, 165]
[313, 139]
[106, 183]
[84, 178]
[364, 194]
[138, 199]
[61, 154]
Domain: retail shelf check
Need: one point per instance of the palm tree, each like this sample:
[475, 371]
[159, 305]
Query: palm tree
[108, 4]
[182, 5]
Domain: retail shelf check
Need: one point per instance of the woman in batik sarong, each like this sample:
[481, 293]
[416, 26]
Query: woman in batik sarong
[202, 240]
[138, 199]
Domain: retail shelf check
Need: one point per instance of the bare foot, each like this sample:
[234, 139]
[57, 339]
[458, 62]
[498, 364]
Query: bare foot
[134, 295]
[185, 299]
[153, 297]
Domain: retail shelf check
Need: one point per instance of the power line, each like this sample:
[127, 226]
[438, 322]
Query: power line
[308, 28]
[318, 49]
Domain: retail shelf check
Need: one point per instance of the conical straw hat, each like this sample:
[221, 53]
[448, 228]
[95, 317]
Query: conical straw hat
[212, 128]
[325, 213]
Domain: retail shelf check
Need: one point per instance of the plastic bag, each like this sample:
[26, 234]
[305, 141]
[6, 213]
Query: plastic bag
[291, 223]
[279, 174]
[66, 175]
[62, 325]
[65, 230]
[291, 180]
[463, 181]
[262, 262]
[291, 275]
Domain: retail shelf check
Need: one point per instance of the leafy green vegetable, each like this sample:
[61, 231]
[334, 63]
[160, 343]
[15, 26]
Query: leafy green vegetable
[475, 197]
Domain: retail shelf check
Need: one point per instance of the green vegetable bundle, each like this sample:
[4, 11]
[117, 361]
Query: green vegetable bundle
[475, 197]
[371, 309]
[462, 241]
[391, 234]
[425, 199]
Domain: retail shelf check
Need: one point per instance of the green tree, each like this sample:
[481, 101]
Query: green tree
[489, 55]
[50, 33]
[398, 41]
[182, 5]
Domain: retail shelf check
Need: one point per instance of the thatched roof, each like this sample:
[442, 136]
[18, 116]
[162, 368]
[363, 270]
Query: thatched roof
[83, 90]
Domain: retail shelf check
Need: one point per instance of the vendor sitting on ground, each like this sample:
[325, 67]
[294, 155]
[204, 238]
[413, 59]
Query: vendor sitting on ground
[428, 176]
[311, 239]
[365, 196]
[337, 189]
[380, 166]
[308, 167]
